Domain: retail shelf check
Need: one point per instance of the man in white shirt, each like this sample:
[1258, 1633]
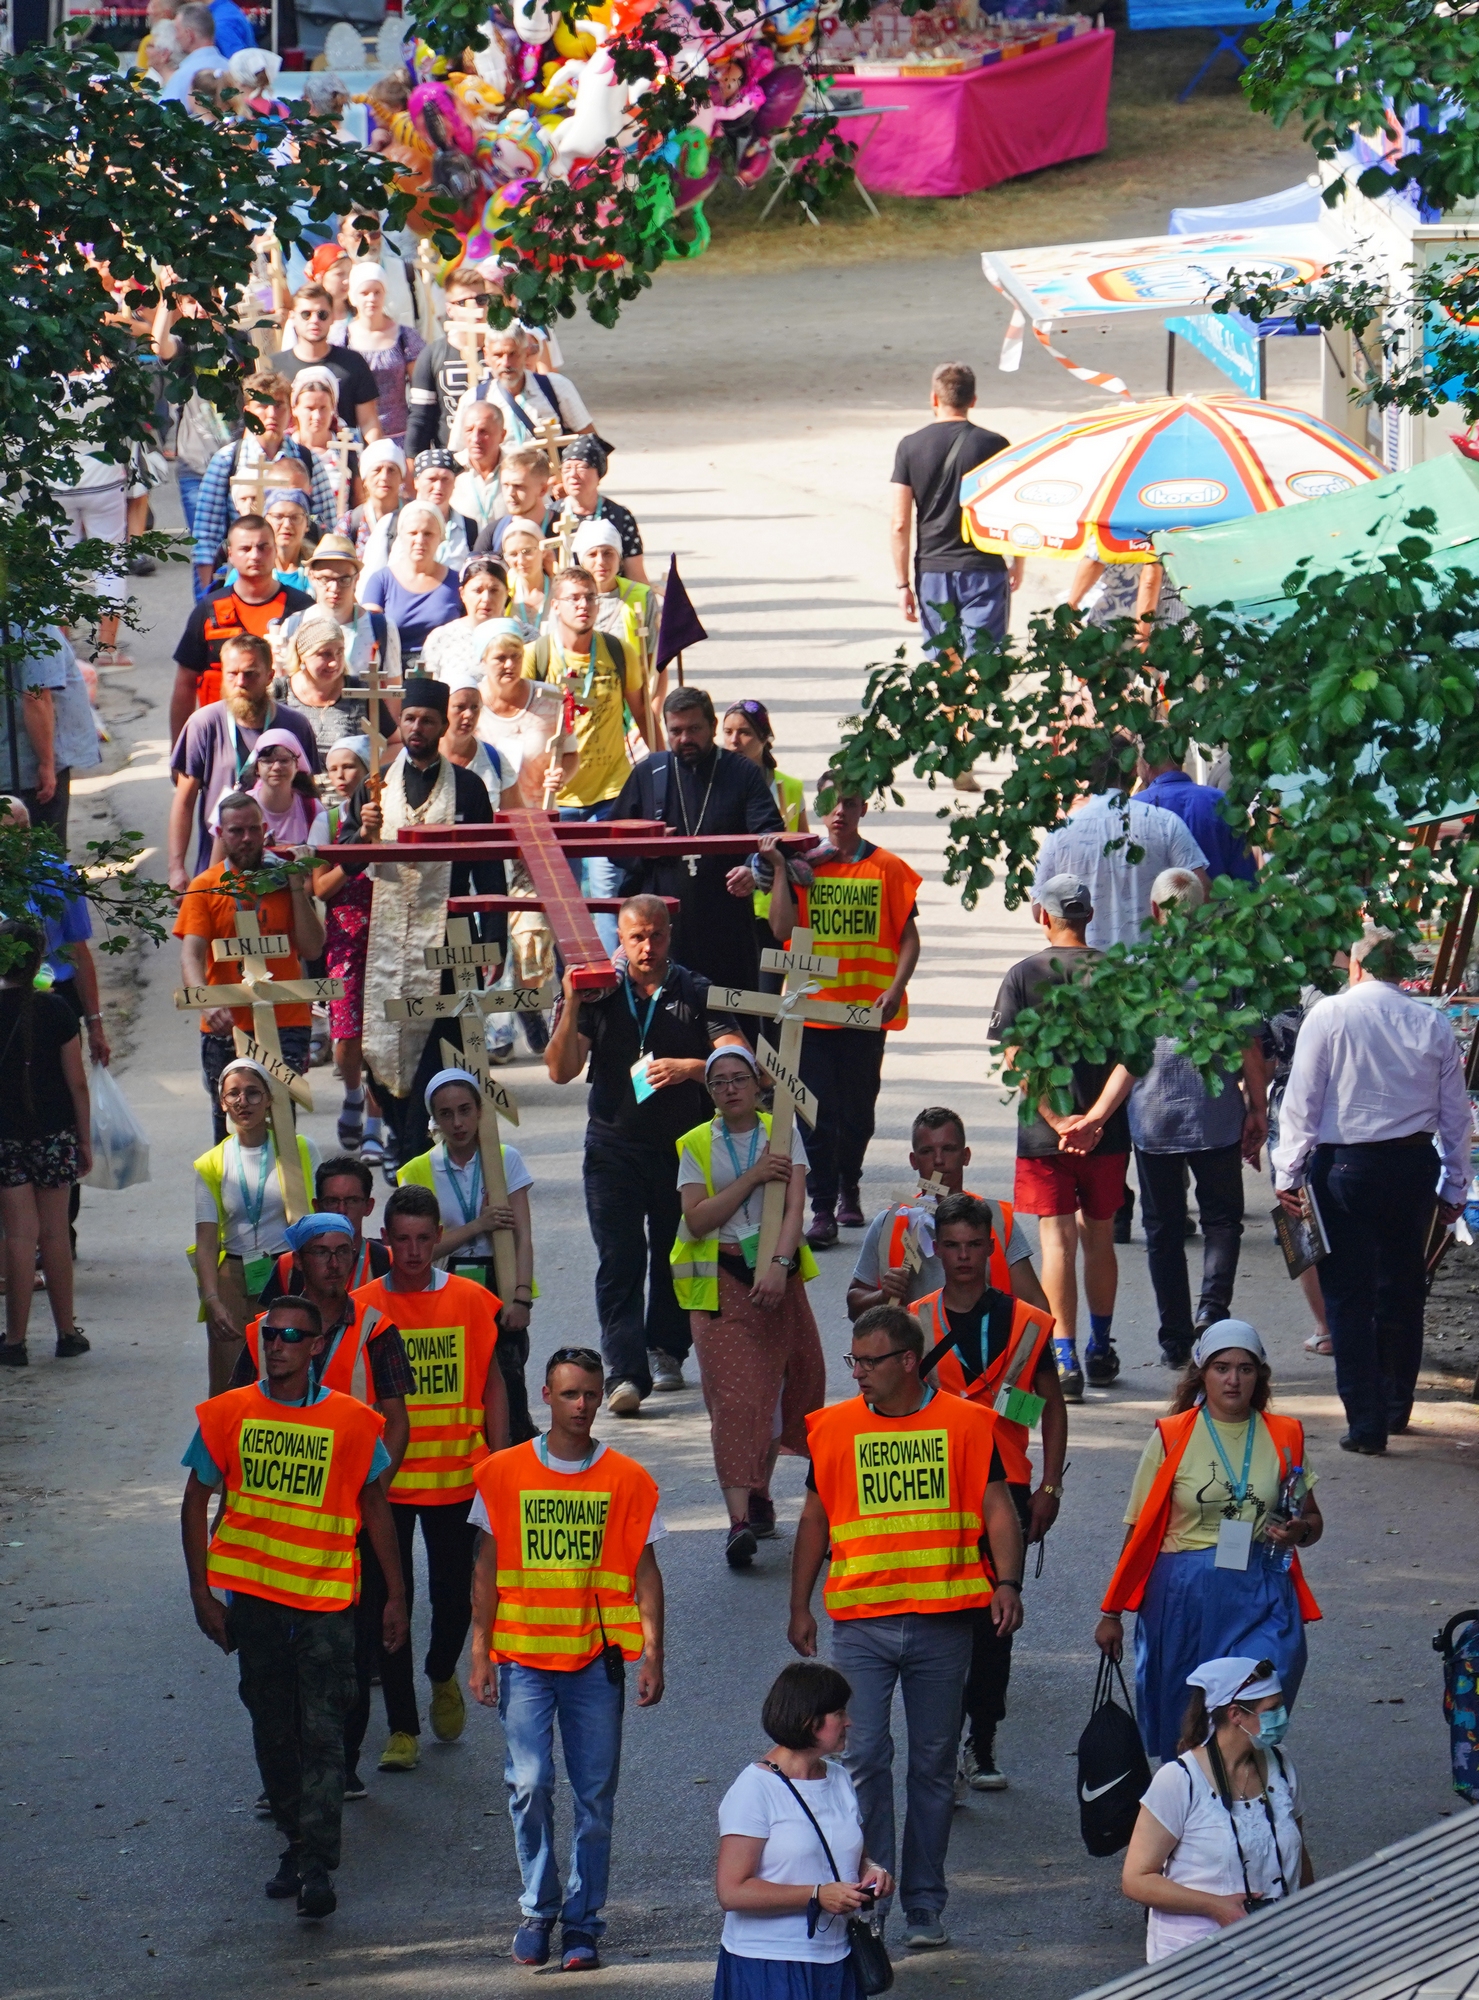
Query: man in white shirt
[1376, 1076]
[478, 438]
[195, 38]
[526, 397]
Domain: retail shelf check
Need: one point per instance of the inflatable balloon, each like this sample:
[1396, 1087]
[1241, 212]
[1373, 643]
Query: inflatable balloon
[784, 89]
[596, 118]
[440, 117]
[532, 21]
[573, 46]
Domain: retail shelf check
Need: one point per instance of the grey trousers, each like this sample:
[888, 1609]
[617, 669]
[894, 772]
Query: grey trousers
[927, 1656]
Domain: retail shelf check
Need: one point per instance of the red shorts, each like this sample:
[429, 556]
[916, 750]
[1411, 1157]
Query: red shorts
[1066, 1182]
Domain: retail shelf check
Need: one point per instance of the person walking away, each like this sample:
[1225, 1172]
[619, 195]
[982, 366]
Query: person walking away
[861, 910]
[881, 1276]
[453, 1171]
[565, 1591]
[310, 1461]
[603, 680]
[459, 1412]
[788, 1818]
[907, 1491]
[646, 1042]
[1203, 810]
[1221, 1507]
[1280, 1037]
[241, 1216]
[758, 1348]
[1221, 1829]
[996, 1351]
[1179, 1128]
[696, 788]
[208, 911]
[1070, 1168]
[1376, 1075]
[45, 1142]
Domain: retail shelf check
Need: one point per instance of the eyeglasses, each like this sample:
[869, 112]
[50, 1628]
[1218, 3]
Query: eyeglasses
[288, 1335]
[313, 312]
[859, 1364]
[729, 1082]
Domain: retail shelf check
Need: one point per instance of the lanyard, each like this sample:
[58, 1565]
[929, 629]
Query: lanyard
[541, 1452]
[1239, 1487]
[643, 1026]
[253, 1212]
[590, 664]
[363, 1275]
[475, 1177]
[755, 1138]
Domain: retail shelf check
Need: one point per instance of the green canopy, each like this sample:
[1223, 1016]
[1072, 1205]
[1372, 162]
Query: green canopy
[1246, 561]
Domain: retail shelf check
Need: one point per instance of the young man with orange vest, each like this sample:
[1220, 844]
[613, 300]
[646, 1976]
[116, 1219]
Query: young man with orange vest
[459, 1413]
[996, 1351]
[907, 1491]
[882, 1276]
[302, 1467]
[566, 1590]
[860, 908]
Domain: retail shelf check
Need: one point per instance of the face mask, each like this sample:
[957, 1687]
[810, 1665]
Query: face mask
[1272, 1725]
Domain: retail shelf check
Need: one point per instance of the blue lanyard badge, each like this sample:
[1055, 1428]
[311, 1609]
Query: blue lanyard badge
[642, 1086]
[252, 1208]
[470, 1207]
[541, 1452]
[1239, 1486]
[749, 1240]
[1234, 1535]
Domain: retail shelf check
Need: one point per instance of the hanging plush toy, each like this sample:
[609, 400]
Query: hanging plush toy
[600, 107]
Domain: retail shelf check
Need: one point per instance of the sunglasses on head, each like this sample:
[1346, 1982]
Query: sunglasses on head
[583, 1357]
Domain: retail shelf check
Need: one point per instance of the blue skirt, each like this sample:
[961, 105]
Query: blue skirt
[1193, 1611]
[784, 1979]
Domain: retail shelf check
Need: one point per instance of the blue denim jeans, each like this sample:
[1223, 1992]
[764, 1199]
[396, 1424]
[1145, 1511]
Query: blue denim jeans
[599, 877]
[589, 1711]
[981, 598]
[189, 485]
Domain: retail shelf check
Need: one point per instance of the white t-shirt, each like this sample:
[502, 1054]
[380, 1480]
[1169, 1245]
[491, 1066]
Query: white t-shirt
[758, 1806]
[727, 1164]
[244, 1169]
[477, 1513]
[459, 1191]
[1184, 1800]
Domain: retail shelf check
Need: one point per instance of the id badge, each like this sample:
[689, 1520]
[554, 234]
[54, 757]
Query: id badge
[255, 1271]
[475, 1269]
[1234, 1544]
[750, 1247]
[1020, 1406]
[641, 1083]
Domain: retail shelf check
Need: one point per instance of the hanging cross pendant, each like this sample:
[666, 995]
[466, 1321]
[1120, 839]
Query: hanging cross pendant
[691, 862]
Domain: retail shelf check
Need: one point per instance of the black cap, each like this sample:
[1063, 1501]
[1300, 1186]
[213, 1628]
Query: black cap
[419, 692]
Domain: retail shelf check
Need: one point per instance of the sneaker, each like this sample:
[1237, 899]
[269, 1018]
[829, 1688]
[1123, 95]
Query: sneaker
[142, 565]
[850, 1210]
[287, 1881]
[739, 1550]
[667, 1371]
[320, 1049]
[355, 1786]
[625, 1399]
[13, 1355]
[263, 1807]
[967, 782]
[923, 1931]
[316, 1898]
[760, 1517]
[531, 1941]
[578, 1951]
[448, 1711]
[1362, 1445]
[823, 1231]
[502, 1052]
[536, 1032]
[978, 1762]
[1070, 1375]
[1176, 1355]
[1101, 1364]
[70, 1345]
[401, 1753]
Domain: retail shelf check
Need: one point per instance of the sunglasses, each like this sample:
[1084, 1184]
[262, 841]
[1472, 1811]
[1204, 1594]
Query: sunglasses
[290, 1336]
[583, 1357]
[313, 312]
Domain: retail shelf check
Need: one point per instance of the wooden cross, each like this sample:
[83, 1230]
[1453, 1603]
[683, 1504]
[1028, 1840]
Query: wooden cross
[343, 441]
[464, 958]
[564, 533]
[928, 1195]
[550, 438]
[793, 1008]
[264, 995]
[374, 783]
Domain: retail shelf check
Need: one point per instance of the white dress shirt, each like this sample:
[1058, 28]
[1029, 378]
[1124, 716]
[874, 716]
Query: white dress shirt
[1373, 1063]
[177, 90]
[1121, 888]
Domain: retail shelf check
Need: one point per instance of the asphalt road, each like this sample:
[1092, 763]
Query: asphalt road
[755, 423]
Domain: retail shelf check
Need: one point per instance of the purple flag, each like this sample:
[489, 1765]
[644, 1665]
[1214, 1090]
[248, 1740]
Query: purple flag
[679, 626]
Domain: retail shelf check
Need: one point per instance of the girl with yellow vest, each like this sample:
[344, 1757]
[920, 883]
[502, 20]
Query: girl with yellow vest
[1220, 1506]
[746, 729]
[241, 1215]
[753, 1330]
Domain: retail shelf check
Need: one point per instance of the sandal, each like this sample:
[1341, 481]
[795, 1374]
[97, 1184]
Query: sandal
[115, 659]
[1319, 1343]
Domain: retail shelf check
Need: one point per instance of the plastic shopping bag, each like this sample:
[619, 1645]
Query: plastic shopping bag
[120, 1146]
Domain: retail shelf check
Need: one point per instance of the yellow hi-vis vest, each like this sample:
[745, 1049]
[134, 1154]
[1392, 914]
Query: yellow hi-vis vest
[790, 795]
[695, 1261]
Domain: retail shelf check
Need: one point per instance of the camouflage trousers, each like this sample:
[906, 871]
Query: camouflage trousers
[297, 1685]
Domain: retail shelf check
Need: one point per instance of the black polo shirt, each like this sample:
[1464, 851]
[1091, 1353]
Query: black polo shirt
[680, 1026]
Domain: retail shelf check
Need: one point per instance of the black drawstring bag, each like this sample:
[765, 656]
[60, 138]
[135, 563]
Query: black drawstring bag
[870, 1959]
[1113, 1770]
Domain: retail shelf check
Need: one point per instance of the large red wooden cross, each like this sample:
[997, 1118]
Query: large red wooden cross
[547, 846]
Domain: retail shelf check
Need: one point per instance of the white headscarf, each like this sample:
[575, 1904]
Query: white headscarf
[1234, 1678]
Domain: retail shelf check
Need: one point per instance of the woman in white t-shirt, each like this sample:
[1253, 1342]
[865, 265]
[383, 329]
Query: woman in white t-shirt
[1220, 1832]
[786, 1908]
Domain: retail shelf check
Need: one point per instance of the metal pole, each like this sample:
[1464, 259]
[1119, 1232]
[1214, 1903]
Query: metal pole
[1170, 364]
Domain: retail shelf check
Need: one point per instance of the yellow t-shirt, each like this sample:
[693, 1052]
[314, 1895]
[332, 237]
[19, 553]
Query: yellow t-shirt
[1202, 1490]
[600, 726]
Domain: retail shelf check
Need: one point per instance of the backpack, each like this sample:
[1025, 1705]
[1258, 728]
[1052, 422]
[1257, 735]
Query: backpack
[1458, 1643]
[1113, 1770]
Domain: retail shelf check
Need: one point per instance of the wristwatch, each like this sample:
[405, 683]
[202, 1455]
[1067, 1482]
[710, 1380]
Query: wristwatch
[1056, 1491]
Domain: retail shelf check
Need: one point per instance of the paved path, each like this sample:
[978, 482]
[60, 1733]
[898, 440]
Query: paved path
[755, 423]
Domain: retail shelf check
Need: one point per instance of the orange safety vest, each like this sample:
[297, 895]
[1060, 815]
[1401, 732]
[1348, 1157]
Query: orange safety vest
[347, 1368]
[567, 1543]
[1132, 1572]
[999, 1271]
[857, 911]
[1010, 1375]
[903, 1498]
[293, 1482]
[450, 1334]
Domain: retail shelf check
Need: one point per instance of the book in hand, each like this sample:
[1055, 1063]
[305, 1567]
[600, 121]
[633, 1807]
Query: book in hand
[1302, 1238]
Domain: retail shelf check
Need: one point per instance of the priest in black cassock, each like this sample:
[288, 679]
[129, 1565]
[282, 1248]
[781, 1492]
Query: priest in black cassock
[697, 788]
